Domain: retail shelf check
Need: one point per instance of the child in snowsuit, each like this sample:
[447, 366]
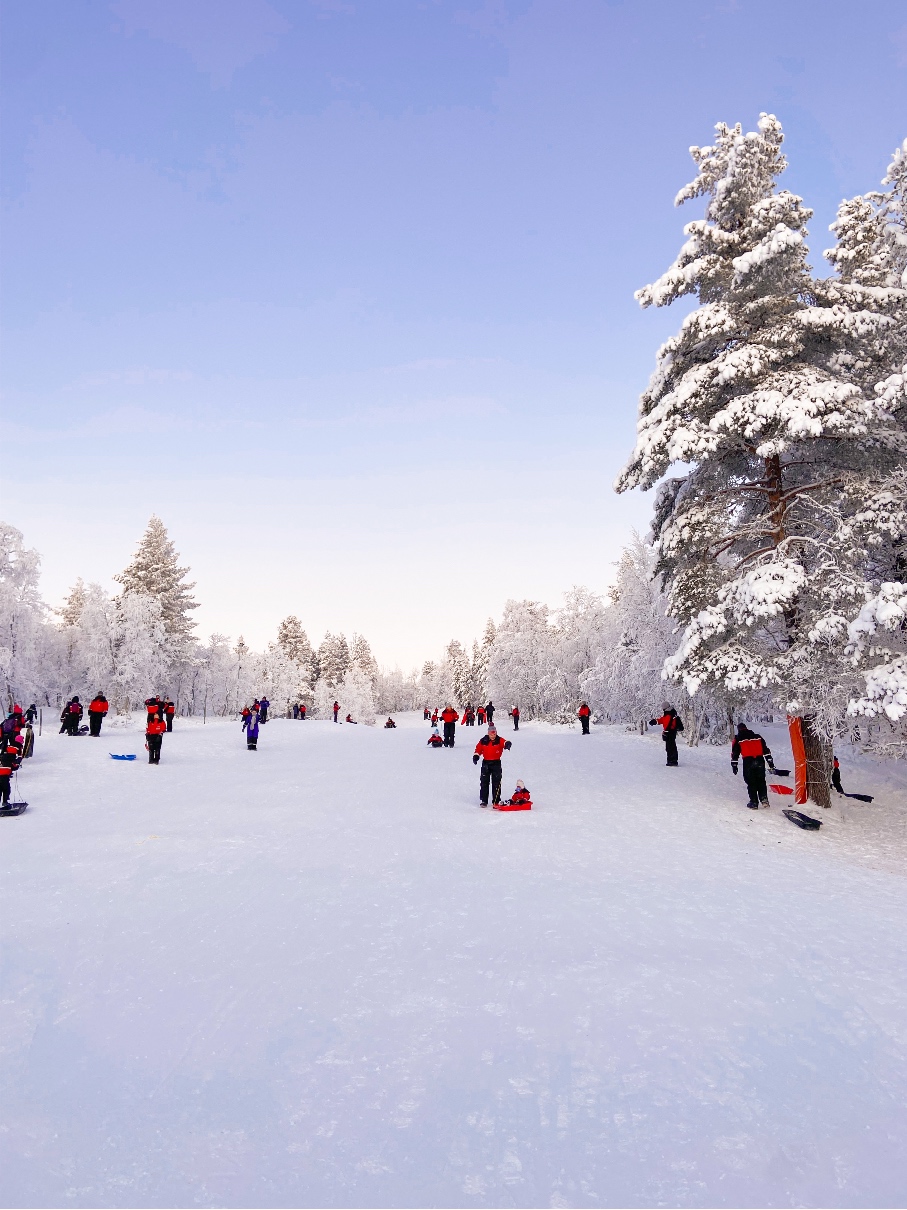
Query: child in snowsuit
[520, 794]
[97, 708]
[389, 724]
[435, 740]
[490, 748]
[670, 725]
[154, 738]
[755, 752]
[74, 716]
[583, 714]
[250, 726]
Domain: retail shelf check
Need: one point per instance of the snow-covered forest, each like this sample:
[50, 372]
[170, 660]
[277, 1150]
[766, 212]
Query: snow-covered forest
[775, 576]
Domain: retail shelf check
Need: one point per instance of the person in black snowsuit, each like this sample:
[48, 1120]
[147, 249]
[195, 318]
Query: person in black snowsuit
[264, 707]
[756, 753]
[31, 714]
[489, 713]
[10, 760]
[670, 726]
[64, 718]
[74, 716]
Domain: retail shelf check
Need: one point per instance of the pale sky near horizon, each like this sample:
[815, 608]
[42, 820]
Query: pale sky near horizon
[343, 291]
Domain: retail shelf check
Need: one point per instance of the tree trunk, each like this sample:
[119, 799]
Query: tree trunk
[812, 762]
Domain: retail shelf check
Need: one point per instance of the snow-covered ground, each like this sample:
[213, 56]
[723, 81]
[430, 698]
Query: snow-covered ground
[319, 975]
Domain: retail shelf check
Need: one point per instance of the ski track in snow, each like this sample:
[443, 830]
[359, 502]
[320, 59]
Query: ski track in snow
[319, 975]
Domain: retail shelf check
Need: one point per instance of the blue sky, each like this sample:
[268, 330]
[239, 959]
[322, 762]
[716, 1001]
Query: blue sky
[344, 291]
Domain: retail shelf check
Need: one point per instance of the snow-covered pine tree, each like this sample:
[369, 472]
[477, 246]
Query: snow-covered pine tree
[461, 672]
[333, 659]
[361, 656]
[22, 615]
[294, 641]
[70, 612]
[155, 571]
[481, 657]
[749, 397]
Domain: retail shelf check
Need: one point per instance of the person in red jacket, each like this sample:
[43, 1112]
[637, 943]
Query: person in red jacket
[670, 726]
[490, 748]
[584, 714]
[169, 711]
[97, 708]
[449, 718]
[515, 715]
[154, 738]
[755, 752]
[10, 760]
[336, 709]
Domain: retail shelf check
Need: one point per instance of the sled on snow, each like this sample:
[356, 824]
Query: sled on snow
[13, 808]
[859, 797]
[122, 756]
[507, 805]
[779, 789]
[803, 821]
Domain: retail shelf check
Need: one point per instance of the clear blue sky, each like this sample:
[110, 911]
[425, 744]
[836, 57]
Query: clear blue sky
[344, 290]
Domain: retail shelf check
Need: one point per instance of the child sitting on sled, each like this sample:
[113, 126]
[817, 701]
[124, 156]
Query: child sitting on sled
[435, 740]
[520, 798]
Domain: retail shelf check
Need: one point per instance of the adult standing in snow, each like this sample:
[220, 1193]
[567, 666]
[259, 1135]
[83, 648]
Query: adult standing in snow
[755, 752]
[480, 713]
[97, 708]
[265, 707]
[154, 738]
[670, 725]
[489, 713]
[515, 715]
[302, 711]
[490, 748]
[10, 760]
[450, 718]
[169, 711]
[31, 714]
[336, 709]
[584, 713]
[74, 716]
[250, 726]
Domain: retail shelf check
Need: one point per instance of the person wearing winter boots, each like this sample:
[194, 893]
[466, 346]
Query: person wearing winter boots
[74, 716]
[10, 760]
[336, 709]
[435, 740]
[31, 714]
[390, 724]
[64, 718]
[489, 713]
[154, 738]
[584, 714]
[480, 716]
[426, 714]
[302, 711]
[97, 708]
[755, 752]
[449, 718]
[296, 710]
[519, 796]
[434, 717]
[670, 726]
[490, 748]
[169, 711]
[515, 715]
[265, 707]
[250, 726]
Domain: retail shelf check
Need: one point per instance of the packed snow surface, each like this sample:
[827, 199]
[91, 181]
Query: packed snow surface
[319, 975]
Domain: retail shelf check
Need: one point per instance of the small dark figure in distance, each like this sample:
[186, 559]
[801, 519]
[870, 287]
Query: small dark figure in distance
[670, 726]
[349, 719]
[515, 715]
[302, 711]
[490, 748]
[154, 738]
[74, 716]
[584, 714]
[480, 716]
[265, 706]
[489, 713]
[250, 726]
[169, 711]
[97, 708]
[295, 710]
[836, 782]
[426, 714]
[31, 714]
[389, 724]
[336, 709]
[756, 754]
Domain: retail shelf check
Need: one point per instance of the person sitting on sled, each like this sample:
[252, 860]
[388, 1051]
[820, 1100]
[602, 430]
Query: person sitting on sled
[836, 782]
[520, 794]
[670, 726]
[349, 719]
[755, 752]
[390, 723]
[435, 740]
[490, 748]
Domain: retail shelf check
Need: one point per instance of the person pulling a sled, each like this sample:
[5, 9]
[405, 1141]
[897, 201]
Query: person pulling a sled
[756, 753]
[450, 718]
[97, 708]
[154, 737]
[584, 714]
[250, 726]
[490, 748]
[670, 725]
[10, 760]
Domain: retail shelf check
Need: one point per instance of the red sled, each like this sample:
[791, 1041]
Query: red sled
[779, 789]
[514, 806]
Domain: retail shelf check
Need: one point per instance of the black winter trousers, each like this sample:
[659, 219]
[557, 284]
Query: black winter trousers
[154, 743]
[4, 789]
[169, 722]
[72, 723]
[584, 721]
[754, 776]
[491, 771]
[450, 730]
[95, 718]
[516, 722]
[670, 739]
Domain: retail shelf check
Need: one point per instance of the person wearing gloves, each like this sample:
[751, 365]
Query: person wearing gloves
[449, 718]
[755, 752]
[670, 725]
[97, 710]
[154, 738]
[490, 748]
[250, 726]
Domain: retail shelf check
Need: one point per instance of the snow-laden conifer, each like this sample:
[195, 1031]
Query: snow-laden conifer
[155, 572]
[750, 396]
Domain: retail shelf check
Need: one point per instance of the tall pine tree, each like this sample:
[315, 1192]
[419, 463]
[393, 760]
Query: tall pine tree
[155, 572]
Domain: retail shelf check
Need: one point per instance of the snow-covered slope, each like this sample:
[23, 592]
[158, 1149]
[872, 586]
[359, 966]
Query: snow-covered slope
[319, 975]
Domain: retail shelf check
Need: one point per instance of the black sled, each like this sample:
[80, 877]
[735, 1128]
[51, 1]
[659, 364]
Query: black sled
[803, 821]
[13, 808]
[860, 797]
